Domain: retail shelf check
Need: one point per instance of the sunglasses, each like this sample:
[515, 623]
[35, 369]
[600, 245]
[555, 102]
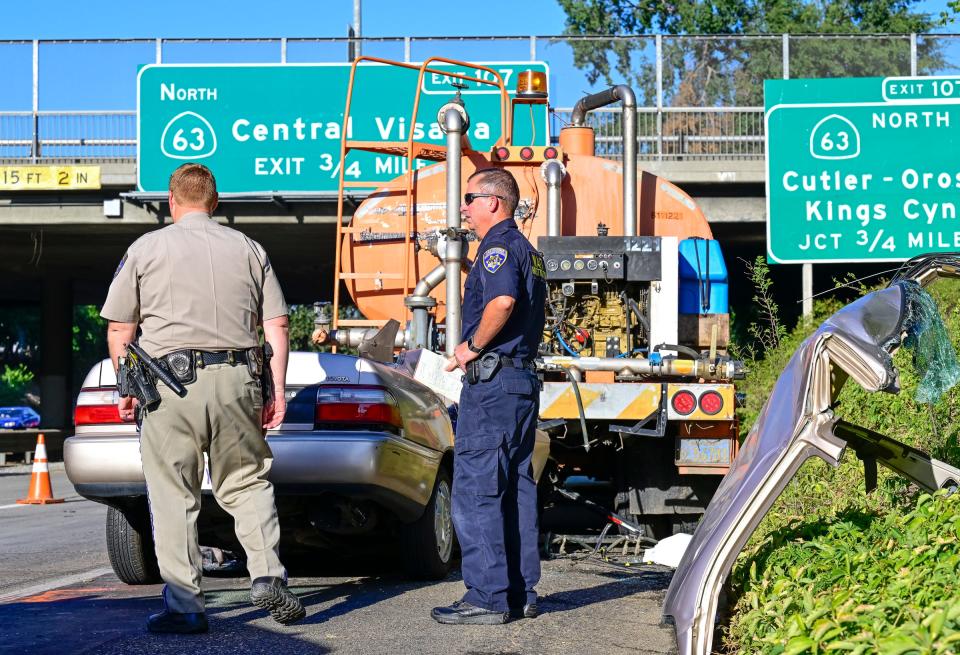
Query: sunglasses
[470, 197]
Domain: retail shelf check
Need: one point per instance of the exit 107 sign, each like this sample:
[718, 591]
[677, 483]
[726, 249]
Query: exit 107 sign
[862, 169]
[277, 128]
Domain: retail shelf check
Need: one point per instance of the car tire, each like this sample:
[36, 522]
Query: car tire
[427, 544]
[130, 547]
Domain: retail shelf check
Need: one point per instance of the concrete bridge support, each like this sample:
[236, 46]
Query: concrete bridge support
[56, 390]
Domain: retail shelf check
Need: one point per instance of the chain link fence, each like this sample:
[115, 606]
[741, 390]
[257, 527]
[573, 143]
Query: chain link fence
[700, 97]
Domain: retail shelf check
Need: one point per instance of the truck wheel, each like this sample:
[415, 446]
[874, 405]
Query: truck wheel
[426, 545]
[130, 547]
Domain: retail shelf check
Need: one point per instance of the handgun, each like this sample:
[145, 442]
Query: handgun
[138, 355]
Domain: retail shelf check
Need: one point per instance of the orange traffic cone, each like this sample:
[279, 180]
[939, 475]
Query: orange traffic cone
[41, 493]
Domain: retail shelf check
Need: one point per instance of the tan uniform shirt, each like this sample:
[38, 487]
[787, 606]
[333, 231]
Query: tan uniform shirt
[194, 284]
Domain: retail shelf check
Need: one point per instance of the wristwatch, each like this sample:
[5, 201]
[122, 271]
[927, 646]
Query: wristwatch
[473, 348]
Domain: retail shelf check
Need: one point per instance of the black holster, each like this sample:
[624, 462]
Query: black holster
[483, 368]
[133, 380]
[266, 375]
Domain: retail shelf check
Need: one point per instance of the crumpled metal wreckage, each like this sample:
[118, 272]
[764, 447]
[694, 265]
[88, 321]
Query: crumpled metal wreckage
[798, 422]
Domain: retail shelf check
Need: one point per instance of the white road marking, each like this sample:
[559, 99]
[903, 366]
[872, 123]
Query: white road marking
[55, 584]
[69, 499]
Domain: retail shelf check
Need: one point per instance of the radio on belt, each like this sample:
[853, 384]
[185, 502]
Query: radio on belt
[634, 259]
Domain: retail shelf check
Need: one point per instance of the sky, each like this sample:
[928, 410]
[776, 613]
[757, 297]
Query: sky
[81, 77]
[63, 19]
[290, 18]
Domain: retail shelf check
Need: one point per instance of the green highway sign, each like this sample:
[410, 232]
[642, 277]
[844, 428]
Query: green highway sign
[862, 169]
[276, 128]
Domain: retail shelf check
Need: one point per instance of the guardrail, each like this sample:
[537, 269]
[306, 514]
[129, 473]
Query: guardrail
[678, 132]
[670, 133]
[68, 136]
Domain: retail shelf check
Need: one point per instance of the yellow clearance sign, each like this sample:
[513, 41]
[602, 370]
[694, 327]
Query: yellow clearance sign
[49, 178]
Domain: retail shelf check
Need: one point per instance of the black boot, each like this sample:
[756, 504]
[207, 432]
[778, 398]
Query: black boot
[462, 613]
[185, 624]
[529, 611]
[271, 594]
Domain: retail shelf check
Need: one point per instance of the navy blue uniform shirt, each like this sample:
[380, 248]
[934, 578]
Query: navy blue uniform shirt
[508, 265]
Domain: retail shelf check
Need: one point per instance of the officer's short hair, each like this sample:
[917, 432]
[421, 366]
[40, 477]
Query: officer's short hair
[501, 182]
[193, 185]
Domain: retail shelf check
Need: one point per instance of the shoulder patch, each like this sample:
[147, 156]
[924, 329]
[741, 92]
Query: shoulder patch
[120, 266]
[494, 258]
[537, 266]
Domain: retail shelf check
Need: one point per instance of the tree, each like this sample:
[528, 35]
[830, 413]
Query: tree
[89, 343]
[301, 326]
[15, 385]
[19, 350]
[725, 65]
[19, 334]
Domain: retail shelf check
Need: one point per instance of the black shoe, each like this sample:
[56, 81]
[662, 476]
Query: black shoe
[271, 594]
[529, 611]
[461, 613]
[185, 624]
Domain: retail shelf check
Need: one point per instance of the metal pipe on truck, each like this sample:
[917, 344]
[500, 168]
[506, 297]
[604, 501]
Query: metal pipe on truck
[625, 95]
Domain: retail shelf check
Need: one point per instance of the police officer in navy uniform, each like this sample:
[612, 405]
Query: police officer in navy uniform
[494, 493]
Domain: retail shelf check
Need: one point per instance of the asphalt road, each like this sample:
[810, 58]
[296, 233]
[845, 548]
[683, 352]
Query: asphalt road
[57, 595]
[43, 542]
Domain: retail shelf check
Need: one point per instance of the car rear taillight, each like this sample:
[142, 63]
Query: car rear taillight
[97, 407]
[357, 405]
[711, 403]
[684, 402]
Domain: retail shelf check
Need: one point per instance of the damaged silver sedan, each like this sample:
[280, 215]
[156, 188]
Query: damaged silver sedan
[798, 422]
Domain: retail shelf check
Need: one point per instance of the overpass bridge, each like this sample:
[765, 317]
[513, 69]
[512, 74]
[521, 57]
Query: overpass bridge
[73, 102]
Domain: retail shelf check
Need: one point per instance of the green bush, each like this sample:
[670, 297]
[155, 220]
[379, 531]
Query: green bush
[15, 381]
[856, 583]
[89, 342]
[301, 327]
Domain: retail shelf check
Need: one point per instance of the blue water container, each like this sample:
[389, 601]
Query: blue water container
[704, 285]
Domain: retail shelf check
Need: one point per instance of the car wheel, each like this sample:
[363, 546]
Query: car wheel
[427, 544]
[130, 547]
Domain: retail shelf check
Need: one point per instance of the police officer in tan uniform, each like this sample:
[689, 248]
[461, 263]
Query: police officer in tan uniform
[197, 291]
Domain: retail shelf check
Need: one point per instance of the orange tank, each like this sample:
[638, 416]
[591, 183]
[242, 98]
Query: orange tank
[591, 194]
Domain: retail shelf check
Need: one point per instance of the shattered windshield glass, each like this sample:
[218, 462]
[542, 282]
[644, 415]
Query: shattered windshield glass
[933, 355]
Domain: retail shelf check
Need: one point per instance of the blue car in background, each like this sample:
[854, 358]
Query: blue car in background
[18, 418]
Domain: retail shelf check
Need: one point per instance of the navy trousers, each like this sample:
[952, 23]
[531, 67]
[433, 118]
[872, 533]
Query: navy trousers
[494, 493]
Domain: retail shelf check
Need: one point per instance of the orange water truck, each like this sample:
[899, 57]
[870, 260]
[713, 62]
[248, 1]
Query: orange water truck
[638, 392]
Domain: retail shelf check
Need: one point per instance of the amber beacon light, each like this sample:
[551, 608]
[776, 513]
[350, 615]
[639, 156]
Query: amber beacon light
[532, 84]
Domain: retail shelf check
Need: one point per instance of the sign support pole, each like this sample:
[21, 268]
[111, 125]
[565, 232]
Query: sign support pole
[807, 290]
[357, 21]
[659, 44]
[806, 285]
[35, 141]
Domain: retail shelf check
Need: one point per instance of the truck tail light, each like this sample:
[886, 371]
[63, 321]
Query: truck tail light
[97, 407]
[711, 403]
[684, 402]
[503, 154]
[550, 153]
[357, 405]
[526, 153]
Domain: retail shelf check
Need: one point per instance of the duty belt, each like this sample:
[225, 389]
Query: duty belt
[486, 366]
[516, 362]
[184, 363]
[232, 357]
